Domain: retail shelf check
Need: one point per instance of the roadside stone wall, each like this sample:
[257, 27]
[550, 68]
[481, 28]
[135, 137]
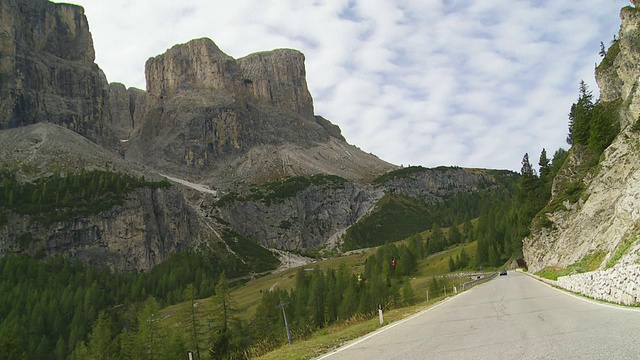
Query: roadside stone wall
[619, 284]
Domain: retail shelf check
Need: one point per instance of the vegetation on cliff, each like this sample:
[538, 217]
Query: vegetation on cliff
[63, 197]
[278, 191]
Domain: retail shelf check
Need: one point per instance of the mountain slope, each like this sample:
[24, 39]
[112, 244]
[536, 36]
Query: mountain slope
[224, 120]
[605, 216]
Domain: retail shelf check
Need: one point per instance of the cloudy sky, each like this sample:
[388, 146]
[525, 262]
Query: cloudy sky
[472, 83]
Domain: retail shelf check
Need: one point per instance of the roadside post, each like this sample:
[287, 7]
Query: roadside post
[380, 313]
[190, 355]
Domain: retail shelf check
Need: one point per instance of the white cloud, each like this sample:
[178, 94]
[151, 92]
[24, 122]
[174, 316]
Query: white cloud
[462, 82]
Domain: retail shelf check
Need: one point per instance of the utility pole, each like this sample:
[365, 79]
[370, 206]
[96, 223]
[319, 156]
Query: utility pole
[286, 323]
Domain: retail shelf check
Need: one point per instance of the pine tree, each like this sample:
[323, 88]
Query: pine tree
[454, 235]
[464, 259]
[61, 348]
[467, 230]
[150, 338]
[544, 164]
[579, 116]
[434, 287]
[408, 294]
[223, 318]
[316, 304]
[101, 339]
[193, 315]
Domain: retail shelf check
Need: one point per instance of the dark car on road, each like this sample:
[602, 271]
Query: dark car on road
[503, 272]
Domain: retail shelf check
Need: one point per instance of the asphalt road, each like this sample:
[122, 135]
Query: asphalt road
[510, 317]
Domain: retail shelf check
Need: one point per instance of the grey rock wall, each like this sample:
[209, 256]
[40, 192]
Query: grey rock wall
[607, 213]
[141, 233]
[48, 72]
[619, 284]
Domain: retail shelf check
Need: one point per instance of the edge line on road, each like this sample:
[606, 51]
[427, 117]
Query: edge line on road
[391, 326]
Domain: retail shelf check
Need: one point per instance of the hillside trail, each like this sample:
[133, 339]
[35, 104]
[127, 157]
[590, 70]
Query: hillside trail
[197, 187]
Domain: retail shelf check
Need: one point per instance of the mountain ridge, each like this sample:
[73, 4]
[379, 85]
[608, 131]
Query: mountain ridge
[229, 125]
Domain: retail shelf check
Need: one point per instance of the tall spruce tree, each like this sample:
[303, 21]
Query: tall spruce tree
[579, 116]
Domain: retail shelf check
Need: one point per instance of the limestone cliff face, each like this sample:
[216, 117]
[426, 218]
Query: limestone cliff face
[138, 235]
[277, 78]
[607, 215]
[434, 185]
[47, 70]
[207, 112]
[318, 216]
[306, 221]
[127, 109]
[198, 65]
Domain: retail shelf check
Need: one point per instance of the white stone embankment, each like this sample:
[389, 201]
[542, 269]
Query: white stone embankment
[619, 284]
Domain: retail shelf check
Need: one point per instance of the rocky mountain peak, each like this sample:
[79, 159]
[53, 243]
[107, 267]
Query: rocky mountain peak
[278, 78]
[61, 30]
[620, 67]
[211, 116]
[47, 70]
[197, 65]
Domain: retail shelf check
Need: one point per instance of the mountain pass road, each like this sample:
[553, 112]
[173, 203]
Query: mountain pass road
[510, 317]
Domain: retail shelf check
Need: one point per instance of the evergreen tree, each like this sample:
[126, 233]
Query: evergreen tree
[349, 303]
[316, 304]
[545, 165]
[452, 264]
[193, 316]
[408, 294]
[80, 352]
[464, 259]
[579, 117]
[150, 338]
[454, 236]
[225, 307]
[101, 346]
[467, 231]
[434, 287]
[436, 241]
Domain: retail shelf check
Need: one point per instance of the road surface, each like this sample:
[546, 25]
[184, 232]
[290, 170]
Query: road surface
[510, 317]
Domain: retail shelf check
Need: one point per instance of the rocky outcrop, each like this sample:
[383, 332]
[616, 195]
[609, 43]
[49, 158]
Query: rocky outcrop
[318, 216]
[277, 78]
[141, 233]
[207, 114]
[198, 65]
[48, 72]
[149, 226]
[39, 150]
[434, 185]
[265, 163]
[607, 214]
[304, 221]
[127, 109]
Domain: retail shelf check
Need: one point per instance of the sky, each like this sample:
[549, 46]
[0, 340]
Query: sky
[470, 83]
